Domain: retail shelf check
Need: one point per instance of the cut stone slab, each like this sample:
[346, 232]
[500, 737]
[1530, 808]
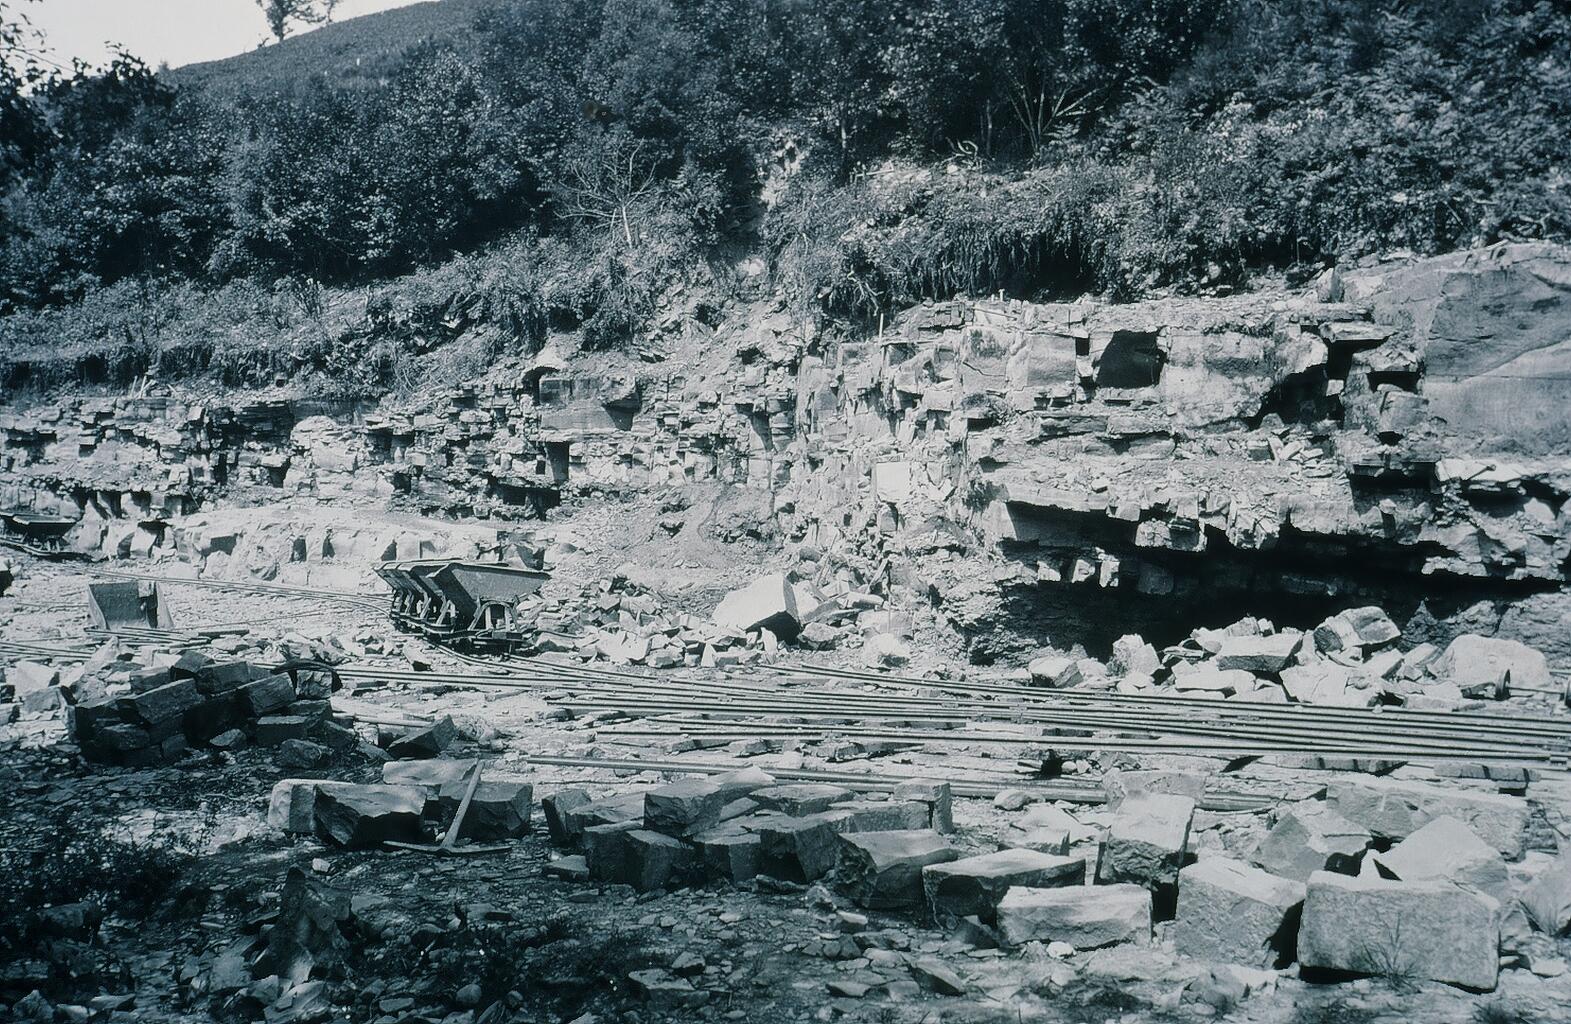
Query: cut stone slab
[568, 869]
[1084, 916]
[936, 976]
[685, 807]
[1120, 784]
[1051, 841]
[165, 703]
[555, 808]
[1447, 850]
[938, 797]
[806, 798]
[885, 815]
[428, 741]
[1430, 930]
[1147, 842]
[1311, 837]
[1265, 654]
[1230, 912]
[350, 815]
[769, 602]
[613, 810]
[974, 885]
[883, 870]
[1396, 808]
[1208, 679]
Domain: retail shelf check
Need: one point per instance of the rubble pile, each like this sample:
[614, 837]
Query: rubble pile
[1352, 659]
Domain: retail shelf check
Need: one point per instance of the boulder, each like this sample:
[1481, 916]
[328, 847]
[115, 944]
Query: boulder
[974, 885]
[769, 602]
[1447, 850]
[1084, 916]
[1355, 630]
[267, 695]
[351, 815]
[1430, 930]
[883, 870]
[1396, 808]
[1310, 837]
[1147, 843]
[1328, 684]
[1233, 913]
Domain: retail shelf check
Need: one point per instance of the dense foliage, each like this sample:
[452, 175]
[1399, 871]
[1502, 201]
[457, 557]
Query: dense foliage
[933, 147]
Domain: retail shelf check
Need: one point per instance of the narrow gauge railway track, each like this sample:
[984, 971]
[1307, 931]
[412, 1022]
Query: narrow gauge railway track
[1070, 720]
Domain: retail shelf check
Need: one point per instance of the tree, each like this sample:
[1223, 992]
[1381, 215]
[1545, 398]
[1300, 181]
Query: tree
[282, 14]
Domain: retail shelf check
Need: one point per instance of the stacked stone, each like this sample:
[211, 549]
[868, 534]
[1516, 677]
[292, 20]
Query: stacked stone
[150, 715]
[737, 826]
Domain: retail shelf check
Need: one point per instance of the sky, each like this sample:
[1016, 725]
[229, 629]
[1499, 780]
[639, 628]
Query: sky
[172, 32]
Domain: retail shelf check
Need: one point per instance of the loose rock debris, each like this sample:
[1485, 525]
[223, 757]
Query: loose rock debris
[902, 896]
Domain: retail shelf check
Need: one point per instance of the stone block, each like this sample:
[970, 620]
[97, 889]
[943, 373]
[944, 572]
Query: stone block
[805, 798]
[1396, 808]
[657, 861]
[1447, 850]
[729, 852]
[1147, 844]
[272, 730]
[1084, 916]
[769, 602]
[1428, 930]
[801, 849]
[883, 870]
[1477, 663]
[938, 797]
[427, 741]
[1547, 897]
[1263, 654]
[163, 703]
[1233, 913]
[974, 885]
[557, 820]
[612, 810]
[498, 810]
[605, 851]
[1310, 837]
[265, 696]
[886, 815]
[353, 816]
[685, 807]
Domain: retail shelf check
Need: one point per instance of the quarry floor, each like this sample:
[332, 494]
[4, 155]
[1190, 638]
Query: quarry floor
[760, 947]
